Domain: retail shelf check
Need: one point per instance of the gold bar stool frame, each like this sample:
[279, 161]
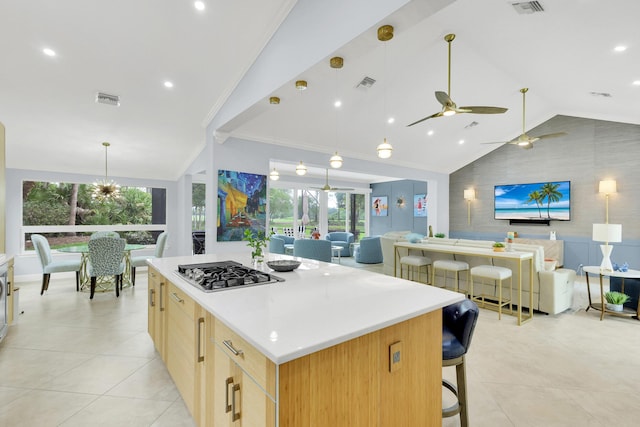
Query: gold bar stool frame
[449, 265]
[413, 261]
[497, 274]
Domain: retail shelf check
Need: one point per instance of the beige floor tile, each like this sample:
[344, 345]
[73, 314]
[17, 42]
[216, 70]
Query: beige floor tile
[176, 416]
[152, 381]
[42, 408]
[109, 411]
[97, 375]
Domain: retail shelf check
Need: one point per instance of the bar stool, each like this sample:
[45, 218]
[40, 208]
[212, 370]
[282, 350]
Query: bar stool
[497, 274]
[458, 323]
[413, 261]
[449, 265]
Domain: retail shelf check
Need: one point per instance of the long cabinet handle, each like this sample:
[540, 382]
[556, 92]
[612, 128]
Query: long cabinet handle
[151, 295]
[227, 407]
[176, 297]
[232, 349]
[200, 324]
[235, 416]
[161, 303]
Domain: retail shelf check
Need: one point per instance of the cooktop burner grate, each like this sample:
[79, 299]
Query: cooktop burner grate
[218, 276]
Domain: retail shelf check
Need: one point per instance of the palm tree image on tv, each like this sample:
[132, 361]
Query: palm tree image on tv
[527, 201]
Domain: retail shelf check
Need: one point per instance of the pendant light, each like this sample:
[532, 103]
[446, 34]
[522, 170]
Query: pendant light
[274, 175]
[335, 161]
[336, 63]
[105, 189]
[301, 169]
[385, 33]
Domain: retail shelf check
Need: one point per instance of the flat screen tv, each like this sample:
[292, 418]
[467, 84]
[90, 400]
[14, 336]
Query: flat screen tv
[540, 201]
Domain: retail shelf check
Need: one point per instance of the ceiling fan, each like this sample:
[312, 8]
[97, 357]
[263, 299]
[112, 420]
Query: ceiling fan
[327, 187]
[525, 141]
[449, 108]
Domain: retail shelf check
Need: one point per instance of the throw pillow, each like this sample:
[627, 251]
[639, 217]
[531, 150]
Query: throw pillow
[414, 237]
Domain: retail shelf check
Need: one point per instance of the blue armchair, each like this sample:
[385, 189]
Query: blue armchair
[313, 249]
[276, 245]
[369, 251]
[342, 239]
[288, 243]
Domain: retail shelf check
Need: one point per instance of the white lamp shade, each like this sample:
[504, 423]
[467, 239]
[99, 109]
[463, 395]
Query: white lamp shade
[469, 194]
[607, 232]
[607, 187]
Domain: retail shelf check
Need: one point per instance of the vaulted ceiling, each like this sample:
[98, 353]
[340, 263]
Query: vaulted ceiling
[565, 55]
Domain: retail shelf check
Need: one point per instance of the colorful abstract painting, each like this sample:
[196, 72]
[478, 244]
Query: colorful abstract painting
[242, 204]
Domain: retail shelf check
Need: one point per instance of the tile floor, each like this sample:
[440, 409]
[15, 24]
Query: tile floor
[69, 361]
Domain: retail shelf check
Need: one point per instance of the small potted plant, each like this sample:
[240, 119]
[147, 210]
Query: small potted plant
[615, 300]
[439, 235]
[498, 247]
[258, 242]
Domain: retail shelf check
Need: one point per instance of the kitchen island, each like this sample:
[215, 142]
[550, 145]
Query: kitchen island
[331, 345]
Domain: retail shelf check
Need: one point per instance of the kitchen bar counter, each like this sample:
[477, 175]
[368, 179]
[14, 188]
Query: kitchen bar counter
[318, 305]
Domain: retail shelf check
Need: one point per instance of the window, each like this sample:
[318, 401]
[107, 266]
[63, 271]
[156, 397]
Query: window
[67, 214]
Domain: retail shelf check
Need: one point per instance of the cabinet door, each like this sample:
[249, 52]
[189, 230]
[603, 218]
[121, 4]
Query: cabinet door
[236, 399]
[156, 310]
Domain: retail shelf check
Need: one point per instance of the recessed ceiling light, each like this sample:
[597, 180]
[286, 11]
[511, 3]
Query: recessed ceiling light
[391, 120]
[430, 133]
[461, 142]
[199, 5]
[636, 83]
[168, 84]
[337, 104]
[620, 48]
[49, 52]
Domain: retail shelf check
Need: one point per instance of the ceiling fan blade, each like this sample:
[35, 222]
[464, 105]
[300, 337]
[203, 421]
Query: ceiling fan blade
[341, 189]
[496, 142]
[443, 98]
[483, 110]
[438, 114]
[552, 135]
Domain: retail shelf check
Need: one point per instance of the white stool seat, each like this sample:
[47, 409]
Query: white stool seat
[449, 265]
[412, 261]
[415, 260]
[493, 272]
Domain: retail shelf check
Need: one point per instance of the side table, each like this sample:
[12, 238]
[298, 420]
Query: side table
[630, 274]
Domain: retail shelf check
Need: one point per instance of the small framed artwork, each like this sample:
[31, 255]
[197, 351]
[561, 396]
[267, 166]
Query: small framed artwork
[419, 205]
[379, 206]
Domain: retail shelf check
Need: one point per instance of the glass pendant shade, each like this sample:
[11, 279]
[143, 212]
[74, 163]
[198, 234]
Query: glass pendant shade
[301, 169]
[335, 161]
[384, 150]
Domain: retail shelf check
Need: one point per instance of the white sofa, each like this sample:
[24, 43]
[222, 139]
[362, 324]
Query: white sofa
[552, 289]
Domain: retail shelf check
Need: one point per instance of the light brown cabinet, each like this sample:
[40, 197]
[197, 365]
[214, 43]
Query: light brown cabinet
[225, 381]
[240, 382]
[185, 348]
[157, 318]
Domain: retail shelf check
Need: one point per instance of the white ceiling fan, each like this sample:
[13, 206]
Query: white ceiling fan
[525, 141]
[327, 187]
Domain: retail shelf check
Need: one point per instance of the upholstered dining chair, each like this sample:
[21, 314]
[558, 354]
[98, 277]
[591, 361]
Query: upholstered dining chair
[140, 261]
[99, 234]
[43, 250]
[313, 249]
[106, 256]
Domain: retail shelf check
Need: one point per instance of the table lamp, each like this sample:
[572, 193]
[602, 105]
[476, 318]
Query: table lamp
[607, 233]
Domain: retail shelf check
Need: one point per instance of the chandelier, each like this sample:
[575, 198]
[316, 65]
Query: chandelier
[105, 189]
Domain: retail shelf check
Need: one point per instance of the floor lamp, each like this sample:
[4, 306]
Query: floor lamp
[607, 233]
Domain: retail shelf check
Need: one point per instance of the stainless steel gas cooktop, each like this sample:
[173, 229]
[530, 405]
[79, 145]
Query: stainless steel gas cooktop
[218, 276]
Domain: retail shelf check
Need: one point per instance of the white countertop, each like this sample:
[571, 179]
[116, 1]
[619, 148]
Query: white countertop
[317, 306]
[465, 250]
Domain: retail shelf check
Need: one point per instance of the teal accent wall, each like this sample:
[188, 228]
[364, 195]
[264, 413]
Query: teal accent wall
[399, 218]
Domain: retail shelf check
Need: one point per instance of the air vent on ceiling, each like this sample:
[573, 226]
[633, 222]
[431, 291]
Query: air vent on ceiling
[472, 125]
[366, 82]
[600, 94]
[105, 98]
[527, 7]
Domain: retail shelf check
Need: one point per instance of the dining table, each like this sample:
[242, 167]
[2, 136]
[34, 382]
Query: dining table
[103, 284]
